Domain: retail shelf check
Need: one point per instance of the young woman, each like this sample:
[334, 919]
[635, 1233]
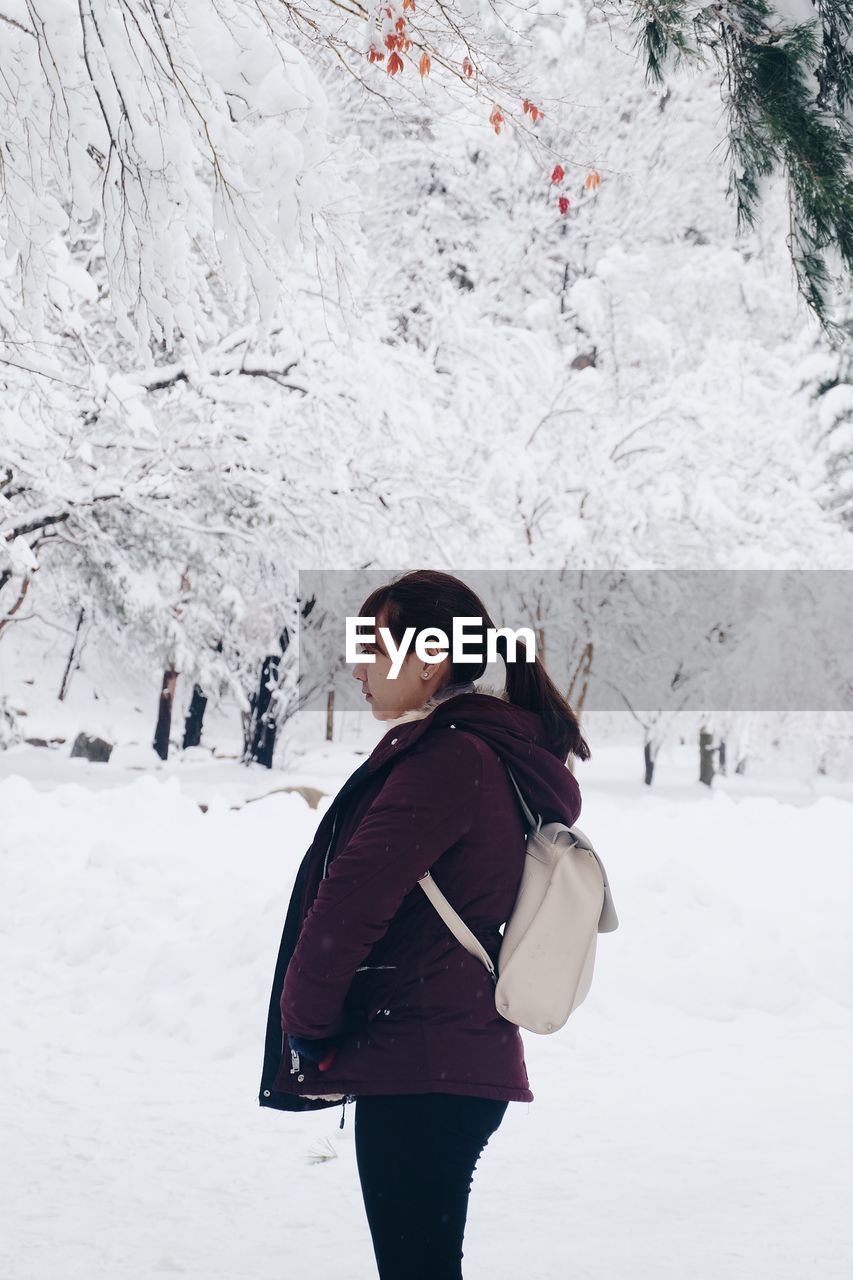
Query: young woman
[373, 999]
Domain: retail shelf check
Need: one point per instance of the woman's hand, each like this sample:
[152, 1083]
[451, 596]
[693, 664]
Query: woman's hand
[322, 1052]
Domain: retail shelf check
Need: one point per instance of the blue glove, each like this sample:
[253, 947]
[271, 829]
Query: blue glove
[313, 1050]
[318, 1050]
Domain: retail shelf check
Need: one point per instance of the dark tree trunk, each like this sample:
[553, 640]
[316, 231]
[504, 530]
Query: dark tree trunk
[649, 762]
[330, 715]
[195, 718]
[706, 756]
[73, 657]
[261, 736]
[164, 713]
[721, 757]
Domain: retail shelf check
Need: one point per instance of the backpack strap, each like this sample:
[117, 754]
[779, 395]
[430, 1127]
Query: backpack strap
[535, 822]
[455, 923]
[451, 917]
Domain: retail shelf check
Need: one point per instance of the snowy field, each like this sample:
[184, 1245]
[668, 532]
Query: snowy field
[694, 1119]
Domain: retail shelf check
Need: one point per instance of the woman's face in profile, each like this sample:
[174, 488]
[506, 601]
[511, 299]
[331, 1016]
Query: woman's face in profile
[390, 697]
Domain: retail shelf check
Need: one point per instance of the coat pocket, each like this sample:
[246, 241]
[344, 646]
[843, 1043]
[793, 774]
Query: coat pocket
[372, 989]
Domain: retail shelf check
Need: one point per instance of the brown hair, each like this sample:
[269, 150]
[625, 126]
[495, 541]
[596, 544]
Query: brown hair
[428, 598]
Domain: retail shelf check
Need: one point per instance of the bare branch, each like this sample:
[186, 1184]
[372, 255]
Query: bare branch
[13, 22]
[22, 595]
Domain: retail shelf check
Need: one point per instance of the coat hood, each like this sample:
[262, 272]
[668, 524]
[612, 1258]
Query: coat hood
[516, 735]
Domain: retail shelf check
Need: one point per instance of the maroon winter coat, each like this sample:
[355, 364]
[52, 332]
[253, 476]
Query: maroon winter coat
[433, 795]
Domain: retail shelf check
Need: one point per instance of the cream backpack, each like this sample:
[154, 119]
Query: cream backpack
[547, 952]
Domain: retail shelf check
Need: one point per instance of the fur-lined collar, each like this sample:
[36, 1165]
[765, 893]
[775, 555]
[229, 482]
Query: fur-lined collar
[450, 691]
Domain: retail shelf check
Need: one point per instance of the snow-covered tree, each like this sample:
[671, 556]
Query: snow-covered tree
[386, 326]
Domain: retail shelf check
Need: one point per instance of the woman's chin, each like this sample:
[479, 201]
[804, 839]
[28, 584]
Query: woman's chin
[383, 713]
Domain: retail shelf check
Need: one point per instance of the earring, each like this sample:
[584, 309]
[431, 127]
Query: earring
[425, 675]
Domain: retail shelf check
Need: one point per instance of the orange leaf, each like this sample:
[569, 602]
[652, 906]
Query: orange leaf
[400, 24]
[425, 64]
[395, 64]
[593, 180]
[496, 119]
[467, 67]
[409, 4]
[558, 173]
[375, 55]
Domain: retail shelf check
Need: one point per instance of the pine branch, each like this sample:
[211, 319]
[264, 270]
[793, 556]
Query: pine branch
[662, 35]
[835, 71]
[776, 123]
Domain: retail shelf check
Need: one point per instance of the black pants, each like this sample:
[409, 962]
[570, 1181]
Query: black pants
[416, 1155]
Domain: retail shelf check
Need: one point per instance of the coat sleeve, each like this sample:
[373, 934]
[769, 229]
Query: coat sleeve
[429, 801]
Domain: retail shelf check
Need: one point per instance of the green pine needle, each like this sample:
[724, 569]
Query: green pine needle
[776, 123]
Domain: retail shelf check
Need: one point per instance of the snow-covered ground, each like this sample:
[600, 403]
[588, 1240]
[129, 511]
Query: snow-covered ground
[694, 1118]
